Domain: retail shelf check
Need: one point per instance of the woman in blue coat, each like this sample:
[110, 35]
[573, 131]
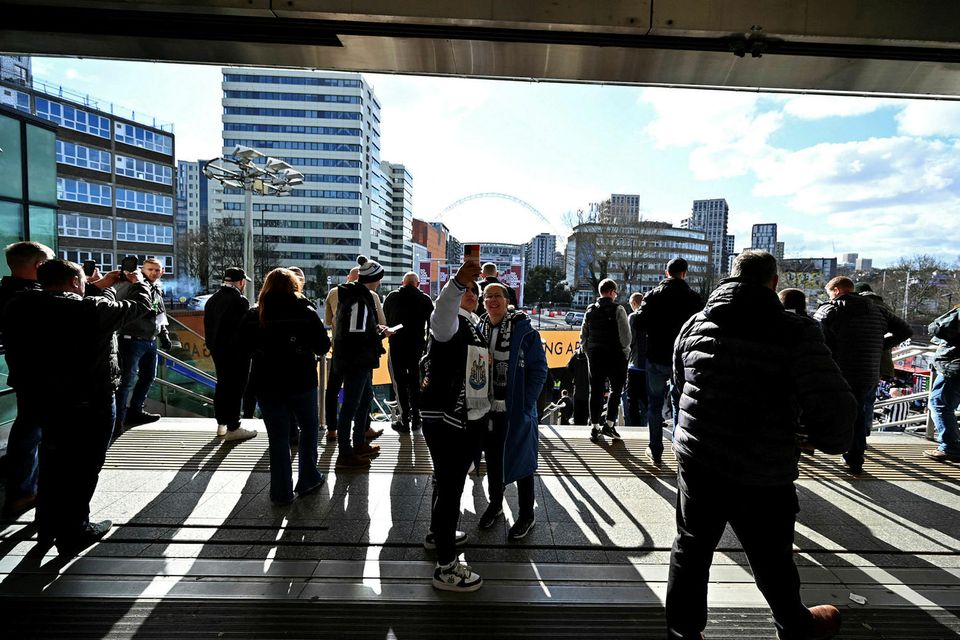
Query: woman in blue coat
[518, 370]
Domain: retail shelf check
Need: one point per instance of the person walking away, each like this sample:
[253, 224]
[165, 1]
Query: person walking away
[519, 368]
[794, 301]
[410, 307]
[23, 441]
[138, 342]
[222, 316]
[605, 336]
[887, 370]
[455, 403]
[331, 400]
[661, 314]
[857, 332]
[356, 353]
[945, 392]
[746, 370]
[284, 336]
[63, 346]
[579, 373]
[636, 368]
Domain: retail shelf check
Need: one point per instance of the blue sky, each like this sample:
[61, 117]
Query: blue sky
[838, 174]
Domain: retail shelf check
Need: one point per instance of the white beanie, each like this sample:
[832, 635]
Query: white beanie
[370, 270]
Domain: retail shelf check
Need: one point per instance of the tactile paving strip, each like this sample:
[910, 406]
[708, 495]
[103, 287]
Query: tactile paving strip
[163, 449]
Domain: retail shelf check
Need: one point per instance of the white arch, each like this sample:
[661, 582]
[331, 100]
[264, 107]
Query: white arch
[502, 196]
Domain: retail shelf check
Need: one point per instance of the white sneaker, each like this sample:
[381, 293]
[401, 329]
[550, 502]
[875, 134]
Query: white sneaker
[221, 430]
[239, 435]
[456, 576]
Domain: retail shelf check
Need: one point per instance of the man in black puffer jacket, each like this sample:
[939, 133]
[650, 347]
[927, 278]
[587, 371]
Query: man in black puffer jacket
[748, 371]
[857, 331]
[410, 307]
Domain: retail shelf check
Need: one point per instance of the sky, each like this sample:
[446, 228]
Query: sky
[838, 174]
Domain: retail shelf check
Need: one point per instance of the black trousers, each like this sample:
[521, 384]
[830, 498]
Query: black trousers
[606, 366]
[636, 398]
[493, 442]
[763, 519]
[73, 447]
[331, 396]
[405, 373]
[581, 410]
[452, 450]
[232, 376]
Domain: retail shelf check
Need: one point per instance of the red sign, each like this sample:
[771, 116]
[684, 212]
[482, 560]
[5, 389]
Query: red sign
[444, 274]
[425, 276]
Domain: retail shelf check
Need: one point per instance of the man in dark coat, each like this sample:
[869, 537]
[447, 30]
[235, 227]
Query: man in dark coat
[857, 332]
[222, 316]
[605, 338]
[945, 392]
[23, 259]
[579, 373]
[747, 370]
[661, 314]
[410, 307]
[60, 340]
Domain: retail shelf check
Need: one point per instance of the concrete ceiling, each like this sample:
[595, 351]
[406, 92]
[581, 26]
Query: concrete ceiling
[895, 47]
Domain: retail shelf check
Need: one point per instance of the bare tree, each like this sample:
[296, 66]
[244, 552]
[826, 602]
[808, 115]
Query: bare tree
[193, 250]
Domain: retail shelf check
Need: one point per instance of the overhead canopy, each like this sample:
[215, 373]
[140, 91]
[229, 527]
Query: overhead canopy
[899, 47]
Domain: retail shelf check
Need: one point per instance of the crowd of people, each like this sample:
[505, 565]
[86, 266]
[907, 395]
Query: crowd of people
[750, 378]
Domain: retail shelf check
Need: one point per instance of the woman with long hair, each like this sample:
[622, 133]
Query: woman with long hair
[285, 337]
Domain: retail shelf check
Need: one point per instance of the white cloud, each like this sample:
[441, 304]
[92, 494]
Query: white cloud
[816, 107]
[930, 118]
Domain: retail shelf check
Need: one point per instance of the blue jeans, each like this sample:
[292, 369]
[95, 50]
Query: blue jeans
[137, 357]
[23, 445]
[944, 399]
[355, 412]
[278, 415]
[861, 427]
[658, 378]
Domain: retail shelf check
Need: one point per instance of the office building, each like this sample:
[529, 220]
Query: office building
[764, 237]
[399, 251]
[115, 185]
[541, 251]
[711, 217]
[619, 208]
[193, 197]
[16, 70]
[864, 264]
[327, 126]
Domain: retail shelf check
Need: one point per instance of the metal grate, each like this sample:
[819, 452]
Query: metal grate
[164, 449]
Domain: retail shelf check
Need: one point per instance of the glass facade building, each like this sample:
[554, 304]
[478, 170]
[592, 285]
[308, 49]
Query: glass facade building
[711, 217]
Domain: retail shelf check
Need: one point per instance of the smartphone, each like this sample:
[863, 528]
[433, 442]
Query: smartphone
[89, 266]
[129, 264]
[471, 252]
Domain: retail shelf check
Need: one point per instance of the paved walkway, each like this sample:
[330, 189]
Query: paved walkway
[194, 523]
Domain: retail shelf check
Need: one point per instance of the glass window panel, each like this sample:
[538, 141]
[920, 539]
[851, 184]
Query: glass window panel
[41, 166]
[43, 226]
[11, 185]
[11, 229]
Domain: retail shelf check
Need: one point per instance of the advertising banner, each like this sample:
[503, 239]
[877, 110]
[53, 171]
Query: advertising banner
[513, 278]
[425, 276]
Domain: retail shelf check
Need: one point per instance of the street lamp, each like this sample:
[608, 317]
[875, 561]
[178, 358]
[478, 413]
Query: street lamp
[239, 171]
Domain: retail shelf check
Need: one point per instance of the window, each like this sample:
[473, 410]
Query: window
[289, 128]
[144, 232]
[310, 82]
[144, 170]
[292, 144]
[105, 260]
[73, 118]
[143, 138]
[144, 201]
[82, 191]
[316, 162]
[166, 261]
[296, 208]
[320, 177]
[75, 225]
[291, 113]
[78, 155]
[292, 97]
[16, 99]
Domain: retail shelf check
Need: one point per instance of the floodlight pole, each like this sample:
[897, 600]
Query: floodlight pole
[248, 240]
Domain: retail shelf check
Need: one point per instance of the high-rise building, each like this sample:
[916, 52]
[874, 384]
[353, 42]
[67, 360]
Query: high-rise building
[396, 260]
[729, 252]
[848, 260]
[710, 217]
[115, 189]
[619, 208]
[327, 126]
[16, 70]
[764, 237]
[540, 252]
[192, 196]
[864, 264]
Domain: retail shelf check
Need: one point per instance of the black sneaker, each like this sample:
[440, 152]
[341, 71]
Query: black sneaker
[136, 418]
[400, 427]
[456, 576]
[611, 432]
[430, 541]
[595, 435]
[655, 459]
[93, 532]
[521, 528]
[490, 516]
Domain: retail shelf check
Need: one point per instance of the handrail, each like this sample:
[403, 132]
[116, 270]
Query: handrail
[897, 400]
[185, 327]
[7, 391]
[188, 366]
[185, 391]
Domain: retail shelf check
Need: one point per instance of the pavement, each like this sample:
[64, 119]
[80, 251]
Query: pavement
[193, 525]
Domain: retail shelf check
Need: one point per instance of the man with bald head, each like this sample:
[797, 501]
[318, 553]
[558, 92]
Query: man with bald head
[410, 307]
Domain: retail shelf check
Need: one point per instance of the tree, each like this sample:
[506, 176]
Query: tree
[546, 285]
[317, 287]
[193, 251]
[225, 248]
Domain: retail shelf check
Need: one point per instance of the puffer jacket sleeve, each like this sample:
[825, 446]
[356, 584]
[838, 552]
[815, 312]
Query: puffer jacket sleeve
[827, 406]
[895, 325]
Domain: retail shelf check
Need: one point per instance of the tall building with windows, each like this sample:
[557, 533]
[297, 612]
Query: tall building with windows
[193, 196]
[711, 217]
[541, 251]
[327, 126]
[115, 177]
[764, 237]
[399, 253]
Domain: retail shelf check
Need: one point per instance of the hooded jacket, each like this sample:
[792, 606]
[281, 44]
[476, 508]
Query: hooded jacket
[662, 313]
[749, 373]
[855, 330]
[945, 333]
